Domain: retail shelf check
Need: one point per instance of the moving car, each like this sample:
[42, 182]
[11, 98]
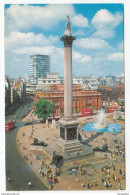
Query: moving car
[9, 125]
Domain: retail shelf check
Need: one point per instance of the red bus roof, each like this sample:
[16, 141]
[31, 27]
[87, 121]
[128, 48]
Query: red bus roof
[9, 122]
[87, 110]
[112, 107]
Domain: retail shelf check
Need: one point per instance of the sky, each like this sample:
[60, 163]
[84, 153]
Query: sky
[37, 28]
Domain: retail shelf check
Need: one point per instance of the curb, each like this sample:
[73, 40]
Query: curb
[28, 162]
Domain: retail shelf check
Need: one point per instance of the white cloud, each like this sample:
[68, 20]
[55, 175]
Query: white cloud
[28, 16]
[19, 46]
[116, 57]
[104, 33]
[19, 39]
[121, 45]
[80, 21]
[81, 58]
[105, 22]
[19, 17]
[92, 43]
[87, 52]
[79, 33]
[47, 50]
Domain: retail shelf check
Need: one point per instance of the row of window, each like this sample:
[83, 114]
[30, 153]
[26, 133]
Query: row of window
[83, 93]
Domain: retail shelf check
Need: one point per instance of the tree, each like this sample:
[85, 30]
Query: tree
[43, 109]
[77, 111]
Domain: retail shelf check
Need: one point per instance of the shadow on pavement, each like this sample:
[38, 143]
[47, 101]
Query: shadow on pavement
[92, 138]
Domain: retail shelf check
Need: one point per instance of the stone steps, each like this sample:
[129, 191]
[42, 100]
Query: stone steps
[49, 150]
[57, 148]
[62, 143]
[82, 156]
[70, 150]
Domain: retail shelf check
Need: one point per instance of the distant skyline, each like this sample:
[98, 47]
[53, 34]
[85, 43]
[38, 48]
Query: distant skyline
[36, 29]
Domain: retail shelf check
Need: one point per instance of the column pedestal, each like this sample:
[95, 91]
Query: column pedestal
[70, 147]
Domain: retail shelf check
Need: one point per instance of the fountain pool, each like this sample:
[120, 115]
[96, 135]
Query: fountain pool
[110, 128]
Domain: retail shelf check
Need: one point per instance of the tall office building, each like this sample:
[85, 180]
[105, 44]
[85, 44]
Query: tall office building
[39, 67]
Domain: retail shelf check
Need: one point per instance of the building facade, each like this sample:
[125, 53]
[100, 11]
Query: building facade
[51, 78]
[7, 94]
[18, 90]
[39, 67]
[15, 92]
[81, 98]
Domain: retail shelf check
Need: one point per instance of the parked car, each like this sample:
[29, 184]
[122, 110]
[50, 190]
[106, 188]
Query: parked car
[40, 121]
[26, 124]
[30, 123]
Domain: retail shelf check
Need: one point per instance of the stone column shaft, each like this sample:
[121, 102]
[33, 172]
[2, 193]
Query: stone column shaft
[68, 81]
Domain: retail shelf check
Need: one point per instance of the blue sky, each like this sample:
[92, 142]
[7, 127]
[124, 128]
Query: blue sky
[97, 50]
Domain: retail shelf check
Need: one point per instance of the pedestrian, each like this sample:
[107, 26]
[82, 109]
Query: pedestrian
[107, 185]
[9, 180]
[114, 168]
[27, 185]
[82, 173]
[91, 185]
[120, 188]
[93, 169]
[74, 171]
[82, 183]
[31, 162]
[51, 185]
[120, 171]
[103, 180]
[40, 171]
[96, 184]
[113, 177]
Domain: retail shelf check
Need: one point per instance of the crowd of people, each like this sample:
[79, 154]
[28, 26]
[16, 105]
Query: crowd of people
[51, 175]
[111, 175]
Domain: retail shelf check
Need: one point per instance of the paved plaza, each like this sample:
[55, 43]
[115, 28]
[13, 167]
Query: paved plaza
[91, 173]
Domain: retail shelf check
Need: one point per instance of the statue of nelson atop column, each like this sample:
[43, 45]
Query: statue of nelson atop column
[68, 23]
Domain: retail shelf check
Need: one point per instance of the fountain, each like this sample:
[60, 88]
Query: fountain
[101, 119]
[101, 126]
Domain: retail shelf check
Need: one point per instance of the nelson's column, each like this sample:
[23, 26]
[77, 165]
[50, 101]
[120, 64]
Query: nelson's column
[68, 144]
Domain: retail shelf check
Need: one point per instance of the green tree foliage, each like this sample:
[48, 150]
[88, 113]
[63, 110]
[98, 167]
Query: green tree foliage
[77, 111]
[43, 109]
[121, 103]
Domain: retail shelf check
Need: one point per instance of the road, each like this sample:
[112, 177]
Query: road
[16, 167]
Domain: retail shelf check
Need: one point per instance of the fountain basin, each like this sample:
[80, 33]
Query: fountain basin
[95, 127]
[100, 126]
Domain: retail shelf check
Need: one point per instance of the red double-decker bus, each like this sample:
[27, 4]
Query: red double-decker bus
[86, 112]
[9, 125]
